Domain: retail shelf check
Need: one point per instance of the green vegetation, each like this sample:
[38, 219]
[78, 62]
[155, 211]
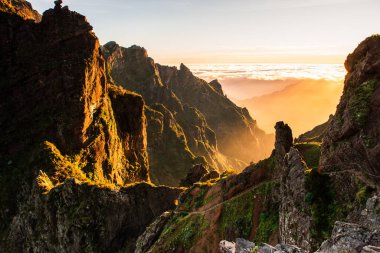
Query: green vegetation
[182, 231]
[377, 208]
[311, 153]
[368, 142]
[200, 198]
[237, 216]
[227, 173]
[44, 182]
[320, 197]
[268, 225]
[364, 194]
[169, 154]
[236, 220]
[269, 163]
[359, 103]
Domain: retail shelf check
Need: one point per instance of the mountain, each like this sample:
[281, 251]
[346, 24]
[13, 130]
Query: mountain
[178, 135]
[74, 169]
[213, 127]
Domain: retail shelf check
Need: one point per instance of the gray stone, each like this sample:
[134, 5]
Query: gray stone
[151, 234]
[227, 247]
[295, 221]
[370, 249]
[244, 246]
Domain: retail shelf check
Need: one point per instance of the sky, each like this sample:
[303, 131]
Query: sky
[232, 31]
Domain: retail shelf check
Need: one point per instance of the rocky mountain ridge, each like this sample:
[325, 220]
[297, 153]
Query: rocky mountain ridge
[200, 109]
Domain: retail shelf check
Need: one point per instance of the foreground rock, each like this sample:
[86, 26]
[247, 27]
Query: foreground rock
[295, 220]
[76, 217]
[244, 246]
[357, 237]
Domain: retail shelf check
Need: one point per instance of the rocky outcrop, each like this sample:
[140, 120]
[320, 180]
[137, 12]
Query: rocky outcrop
[316, 134]
[357, 237]
[76, 217]
[217, 86]
[244, 246]
[199, 174]
[71, 142]
[151, 234]
[352, 141]
[295, 220]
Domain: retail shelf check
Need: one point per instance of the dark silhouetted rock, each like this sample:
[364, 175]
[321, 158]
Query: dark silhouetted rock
[195, 174]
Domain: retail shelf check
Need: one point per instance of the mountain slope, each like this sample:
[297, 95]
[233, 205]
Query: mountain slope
[237, 134]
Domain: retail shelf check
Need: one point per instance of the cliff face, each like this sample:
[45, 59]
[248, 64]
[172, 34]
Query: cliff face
[187, 130]
[352, 141]
[60, 120]
[169, 154]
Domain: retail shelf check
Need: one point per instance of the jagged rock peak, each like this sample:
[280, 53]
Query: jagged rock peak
[367, 55]
[217, 86]
[111, 46]
[183, 68]
[284, 137]
[58, 4]
[21, 8]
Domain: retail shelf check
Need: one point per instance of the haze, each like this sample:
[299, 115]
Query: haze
[216, 31]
